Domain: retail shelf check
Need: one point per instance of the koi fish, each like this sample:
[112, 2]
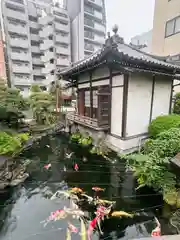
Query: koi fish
[72, 228]
[91, 228]
[68, 235]
[83, 230]
[102, 211]
[76, 167]
[58, 214]
[98, 189]
[47, 146]
[77, 190]
[103, 201]
[121, 214]
[47, 166]
[156, 232]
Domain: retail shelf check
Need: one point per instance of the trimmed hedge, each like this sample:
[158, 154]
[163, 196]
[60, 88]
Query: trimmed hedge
[163, 123]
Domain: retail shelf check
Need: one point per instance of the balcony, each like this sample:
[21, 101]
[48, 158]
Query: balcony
[48, 68]
[61, 50]
[21, 69]
[62, 39]
[62, 62]
[16, 14]
[95, 27]
[89, 47]
[94, 14]
[45, 20]
[37, 72]
[33, 25]
[22, 81]
[47, 56]
[18, 42]
[94, 38]
[17, 29]
[87, 122]
[46, 44]
[62, 27]
[95, 3]
[46, 32]
[36, 61]
[35, 49]
[35, 37]
[20, 56]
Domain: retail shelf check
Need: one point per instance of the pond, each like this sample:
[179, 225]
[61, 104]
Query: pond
[24, 208]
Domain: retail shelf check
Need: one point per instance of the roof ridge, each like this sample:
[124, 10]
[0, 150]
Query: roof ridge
[145, 53]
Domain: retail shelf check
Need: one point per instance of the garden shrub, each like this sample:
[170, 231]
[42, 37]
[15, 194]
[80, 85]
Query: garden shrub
[163, 123]
[176, 108]
[167, 144]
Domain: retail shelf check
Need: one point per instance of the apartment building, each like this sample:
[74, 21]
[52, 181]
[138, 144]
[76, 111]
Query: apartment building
[166, 28]
[2, 59]
[88, 26]
[143, 41]
[37, 35]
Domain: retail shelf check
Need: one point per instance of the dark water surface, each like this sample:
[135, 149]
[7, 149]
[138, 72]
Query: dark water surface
[23, 208]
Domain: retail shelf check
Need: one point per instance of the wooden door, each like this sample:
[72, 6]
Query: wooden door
[81, 102]
[104, 105]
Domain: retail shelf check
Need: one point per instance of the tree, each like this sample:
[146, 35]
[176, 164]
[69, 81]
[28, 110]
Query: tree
[12, 104]
[176, 108]
[42, 106]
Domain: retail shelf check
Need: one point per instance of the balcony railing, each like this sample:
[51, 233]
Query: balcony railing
[87, 122]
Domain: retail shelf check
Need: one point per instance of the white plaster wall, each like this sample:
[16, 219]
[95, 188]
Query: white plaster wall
[100, 83]
[118, 80]
[125, 146]
[83, 85]
[116, 111]
[162, 93]
[94, 84]
[116, 106]
[100, 73]
[139, 103]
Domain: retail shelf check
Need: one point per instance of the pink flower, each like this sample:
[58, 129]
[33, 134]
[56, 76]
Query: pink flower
[72, 228]
[76, 167]
[47, 166]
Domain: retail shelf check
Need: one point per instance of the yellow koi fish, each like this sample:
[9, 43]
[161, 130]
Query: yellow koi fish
[121, 214]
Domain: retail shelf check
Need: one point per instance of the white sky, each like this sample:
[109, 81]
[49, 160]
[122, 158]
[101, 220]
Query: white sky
[132, 16]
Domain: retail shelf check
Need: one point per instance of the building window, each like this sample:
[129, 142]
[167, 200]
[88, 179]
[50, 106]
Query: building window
[172, 27]
[87, 103]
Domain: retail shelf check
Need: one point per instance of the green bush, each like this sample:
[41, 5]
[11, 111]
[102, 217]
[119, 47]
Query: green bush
[176, 108]
[163, 123]
[167, 144]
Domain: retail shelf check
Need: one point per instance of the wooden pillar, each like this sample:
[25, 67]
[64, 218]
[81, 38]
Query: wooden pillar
[171, 96]
[110, 97]
[91, 95]
[81, 102]
[125, 101]
[152, 98]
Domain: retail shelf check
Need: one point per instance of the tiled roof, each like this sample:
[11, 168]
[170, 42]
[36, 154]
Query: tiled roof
[124, 52]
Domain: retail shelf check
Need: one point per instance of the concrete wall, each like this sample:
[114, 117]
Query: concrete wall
[165, 10]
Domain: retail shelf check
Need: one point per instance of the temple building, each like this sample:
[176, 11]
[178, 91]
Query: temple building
[120, 91]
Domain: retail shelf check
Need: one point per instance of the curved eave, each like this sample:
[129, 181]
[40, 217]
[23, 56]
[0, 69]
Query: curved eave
[100, 57]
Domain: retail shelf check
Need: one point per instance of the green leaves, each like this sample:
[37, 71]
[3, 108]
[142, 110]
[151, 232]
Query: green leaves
[163, 123]
[42, 106]
[152, 166]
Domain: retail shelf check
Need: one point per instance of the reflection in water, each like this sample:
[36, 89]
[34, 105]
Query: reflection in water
[23, 209]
